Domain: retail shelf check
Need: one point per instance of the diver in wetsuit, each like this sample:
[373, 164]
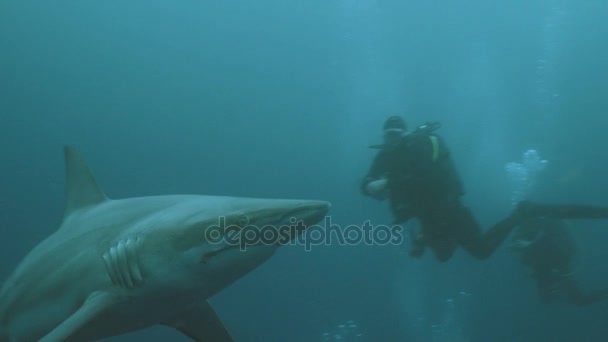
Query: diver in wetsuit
[416, 173]
[546, 247]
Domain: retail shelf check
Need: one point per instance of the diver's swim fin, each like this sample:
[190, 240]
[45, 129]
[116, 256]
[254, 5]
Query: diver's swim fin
[562, 211]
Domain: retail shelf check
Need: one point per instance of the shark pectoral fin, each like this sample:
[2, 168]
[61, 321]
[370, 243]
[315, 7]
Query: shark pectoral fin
[93, 305]
[201, 324]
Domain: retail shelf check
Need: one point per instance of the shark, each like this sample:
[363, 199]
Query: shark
[115, 266]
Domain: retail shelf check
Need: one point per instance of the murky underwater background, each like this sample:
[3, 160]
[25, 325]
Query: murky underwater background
[281, 99]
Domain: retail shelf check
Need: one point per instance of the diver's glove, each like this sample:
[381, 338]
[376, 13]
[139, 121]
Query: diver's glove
[378, 189]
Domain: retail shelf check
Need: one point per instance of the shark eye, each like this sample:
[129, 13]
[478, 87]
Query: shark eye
[242, 221]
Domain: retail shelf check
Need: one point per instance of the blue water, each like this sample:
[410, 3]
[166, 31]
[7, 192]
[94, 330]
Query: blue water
[281, 99]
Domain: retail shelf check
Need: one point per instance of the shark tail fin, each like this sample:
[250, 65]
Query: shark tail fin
[81, 187]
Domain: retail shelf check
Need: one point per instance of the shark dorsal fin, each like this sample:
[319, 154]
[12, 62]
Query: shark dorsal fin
[81, 187]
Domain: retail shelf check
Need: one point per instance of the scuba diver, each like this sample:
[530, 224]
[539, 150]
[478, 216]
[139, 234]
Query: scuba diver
[546, 247]
[416, 173]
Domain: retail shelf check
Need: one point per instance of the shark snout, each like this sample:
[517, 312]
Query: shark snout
[301, 218]
[312, 213]
[306, 212]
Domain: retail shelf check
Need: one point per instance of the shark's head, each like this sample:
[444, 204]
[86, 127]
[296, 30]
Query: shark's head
[189, 242]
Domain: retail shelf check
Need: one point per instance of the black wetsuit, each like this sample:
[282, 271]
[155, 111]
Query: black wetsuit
[424, 183]
[548, 249]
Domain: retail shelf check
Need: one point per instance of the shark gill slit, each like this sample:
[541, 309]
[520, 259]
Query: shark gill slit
[134, 269]
[116, 267]
[124, 264]
[108, 263]
[112, 264]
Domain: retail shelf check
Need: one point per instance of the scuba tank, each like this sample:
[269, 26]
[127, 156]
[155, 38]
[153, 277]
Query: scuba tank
[426, 128]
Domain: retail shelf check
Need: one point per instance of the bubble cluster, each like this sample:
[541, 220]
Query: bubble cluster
[523, 175]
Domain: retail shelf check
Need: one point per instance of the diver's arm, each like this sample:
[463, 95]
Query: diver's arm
[375, 184]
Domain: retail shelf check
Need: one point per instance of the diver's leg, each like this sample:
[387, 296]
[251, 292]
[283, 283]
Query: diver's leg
[417, 245]
[469, 236]
[581, 298]
[432, 233]
[482, 246]
[561, 211]
[443, 248]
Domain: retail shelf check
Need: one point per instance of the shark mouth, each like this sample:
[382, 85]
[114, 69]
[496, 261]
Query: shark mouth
[289, 226]
[207, 256]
